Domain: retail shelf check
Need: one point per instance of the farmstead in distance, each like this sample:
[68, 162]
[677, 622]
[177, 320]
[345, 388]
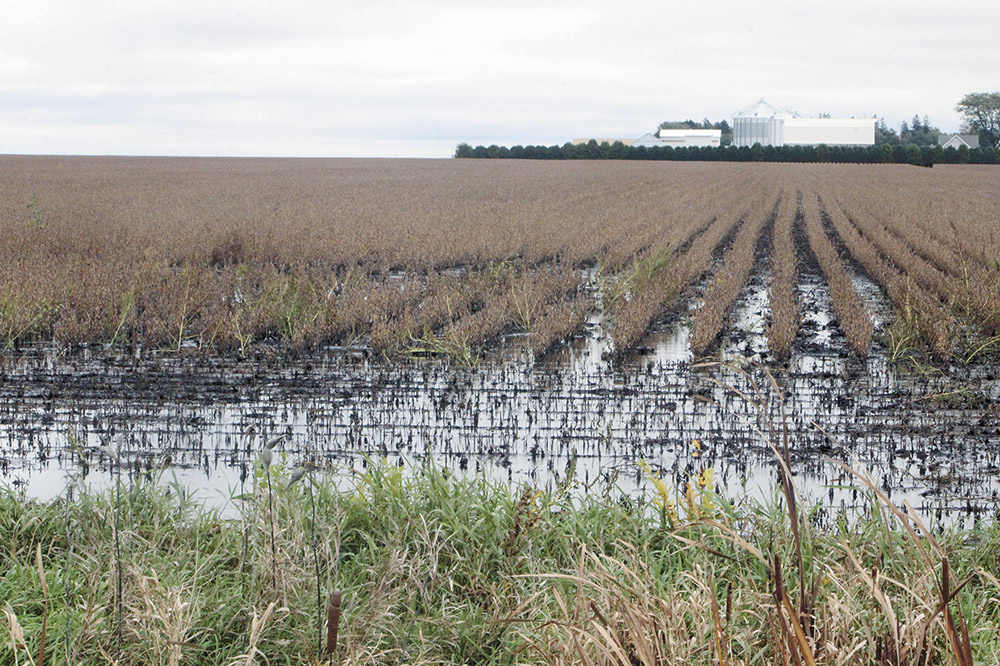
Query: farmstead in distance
[764, 124]
[769, 126]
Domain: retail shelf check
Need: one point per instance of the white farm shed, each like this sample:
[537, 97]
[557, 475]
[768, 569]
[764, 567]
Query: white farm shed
[831, 131]
[679, 138]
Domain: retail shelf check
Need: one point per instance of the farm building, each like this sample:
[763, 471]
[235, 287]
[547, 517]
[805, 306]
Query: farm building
[770, 126]
[759, 123]
[680, 137]
[970, 141]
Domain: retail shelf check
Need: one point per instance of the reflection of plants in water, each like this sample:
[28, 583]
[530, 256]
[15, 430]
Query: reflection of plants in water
[964, 397]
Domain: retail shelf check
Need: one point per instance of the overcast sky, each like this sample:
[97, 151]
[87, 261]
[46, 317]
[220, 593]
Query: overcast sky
[379, 78]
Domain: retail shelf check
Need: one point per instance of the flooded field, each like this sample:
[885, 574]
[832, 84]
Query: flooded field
[932, 439]
[533, 320]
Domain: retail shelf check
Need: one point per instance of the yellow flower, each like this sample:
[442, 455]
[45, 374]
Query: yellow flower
[662, 498]
[707, 479]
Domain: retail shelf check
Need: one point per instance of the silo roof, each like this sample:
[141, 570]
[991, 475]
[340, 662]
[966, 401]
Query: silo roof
[760, 109]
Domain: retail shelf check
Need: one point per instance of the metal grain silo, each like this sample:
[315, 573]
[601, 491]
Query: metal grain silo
[759, 123]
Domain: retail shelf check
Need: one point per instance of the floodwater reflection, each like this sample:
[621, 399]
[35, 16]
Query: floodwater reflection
[932, 439]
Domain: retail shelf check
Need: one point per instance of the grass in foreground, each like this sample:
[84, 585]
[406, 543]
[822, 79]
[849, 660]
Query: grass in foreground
[434, 569]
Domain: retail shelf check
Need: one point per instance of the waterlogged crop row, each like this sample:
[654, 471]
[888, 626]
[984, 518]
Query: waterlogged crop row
[728, 281]
[785, 314]
[447, 257]
[855, 320]
[919, 316]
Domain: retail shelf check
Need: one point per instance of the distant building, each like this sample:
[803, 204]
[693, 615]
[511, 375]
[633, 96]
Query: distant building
[956, 141]
[680, 138]
[770, 126]
[759, 123]
[830, 131]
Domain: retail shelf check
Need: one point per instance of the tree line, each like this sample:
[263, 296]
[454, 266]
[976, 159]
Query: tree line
[885, 153]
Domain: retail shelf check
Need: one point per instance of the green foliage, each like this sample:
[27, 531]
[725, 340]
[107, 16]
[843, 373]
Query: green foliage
[23, 318]
[885, 134]
[981, 112]
[436, 568]
[35, 217]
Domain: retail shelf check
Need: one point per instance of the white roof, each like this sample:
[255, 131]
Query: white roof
[829, 122]
[760, 109]
[681, 133]
[957, 140]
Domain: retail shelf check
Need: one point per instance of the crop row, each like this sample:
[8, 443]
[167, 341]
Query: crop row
[446, 257]
[855, 320]
[785, 313]
[728, 281]
[919, 316]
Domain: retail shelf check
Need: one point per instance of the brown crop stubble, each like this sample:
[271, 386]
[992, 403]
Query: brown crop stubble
[785, 313]
[967, 220]
[870, 215]
[945, 218]
[855, 321]
[651, 295]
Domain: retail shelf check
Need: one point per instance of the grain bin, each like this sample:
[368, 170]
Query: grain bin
[759, 123]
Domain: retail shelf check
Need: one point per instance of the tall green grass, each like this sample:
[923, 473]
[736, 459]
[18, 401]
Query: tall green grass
[437, 569]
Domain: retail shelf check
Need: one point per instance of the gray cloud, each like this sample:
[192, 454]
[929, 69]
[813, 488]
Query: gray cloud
[394, 78]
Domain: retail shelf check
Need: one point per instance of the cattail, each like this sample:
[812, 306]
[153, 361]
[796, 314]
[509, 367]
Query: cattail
[332, 622]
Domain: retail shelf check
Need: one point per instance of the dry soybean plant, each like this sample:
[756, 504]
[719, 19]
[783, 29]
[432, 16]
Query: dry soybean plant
[447, 257]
